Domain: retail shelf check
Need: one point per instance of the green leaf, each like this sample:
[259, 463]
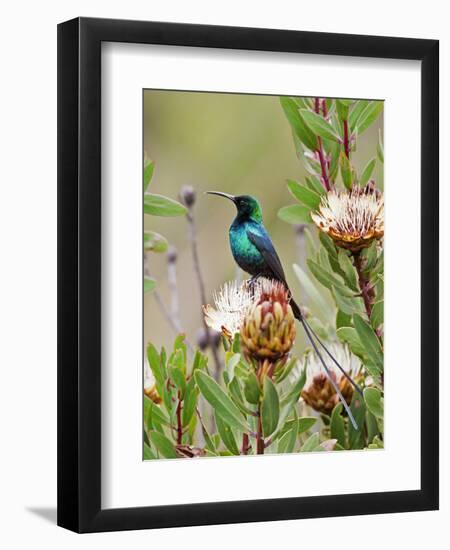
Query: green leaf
[177, 377]
[356, 111]
[306, 423]
[370, 254]
[149, 284]
[371, 425]
[155, 364]
[310, 289]
[314, 184]
[157, 205]
[367, 172]
[337, 425]
[358, 408]
[346, 171]
[311, 443]
[252, 390]
[334, 153]
[226, 435]
[148, 453]
[319, 125]
[155, 242]
[302, 131]
[287, 442]
[190, 402]
[220, 401]
[289, 401]
[377, 315]
[270, 407]
[149, 167]
[281, 373]
[343, 319]
[369, 340]
[347, 304]
[342, 108]
[380, 148]
[369, 115]
[374, 402]
[349, 336]
[328, 244]
[295, 214]
[348, 270]
[324, 277]
[154, 414]
[163, 444]
[306, 196]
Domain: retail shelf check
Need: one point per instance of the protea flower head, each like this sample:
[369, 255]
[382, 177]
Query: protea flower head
[149, 384]
[353, 219]
[268, 329]
[232, 304]
[318, 392]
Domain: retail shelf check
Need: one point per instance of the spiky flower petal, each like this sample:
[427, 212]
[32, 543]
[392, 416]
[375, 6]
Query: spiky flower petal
[232, 303]
[318, 392]
[353, 219]
[268, 329]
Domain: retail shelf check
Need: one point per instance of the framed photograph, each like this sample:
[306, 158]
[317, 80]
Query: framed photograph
[248, 275]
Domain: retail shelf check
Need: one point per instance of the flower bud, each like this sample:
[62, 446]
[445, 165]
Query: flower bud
[172, 255]
[268, 329]
[187, 195]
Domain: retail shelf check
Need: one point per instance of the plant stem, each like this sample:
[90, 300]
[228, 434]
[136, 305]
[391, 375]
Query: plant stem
[366, 290]
[245, 444]
[323, 164]
[201, 285]
[259, 434]
[174, 302]
[179, 424]
[346, 140]
[172, 322]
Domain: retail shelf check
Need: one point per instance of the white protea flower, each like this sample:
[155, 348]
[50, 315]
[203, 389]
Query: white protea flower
[232, 303]
[318, 391]
[149, 383]
[353, 219]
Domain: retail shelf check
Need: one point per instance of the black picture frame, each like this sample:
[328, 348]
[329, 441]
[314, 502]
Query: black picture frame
[79, 274]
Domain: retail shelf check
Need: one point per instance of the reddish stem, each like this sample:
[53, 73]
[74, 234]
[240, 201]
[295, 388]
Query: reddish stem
[323, 164]
[259, 435]
[245, 444]
[317, 105]
[366, 291]
[346, 139]
[179, 424]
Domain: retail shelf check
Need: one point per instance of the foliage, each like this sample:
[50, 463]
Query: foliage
[156, 205]
[248, 407]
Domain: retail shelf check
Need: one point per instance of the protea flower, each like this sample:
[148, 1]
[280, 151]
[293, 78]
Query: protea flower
[353, 219]
[232, 302]
[149, 384]
[318, 392]
[268, 328]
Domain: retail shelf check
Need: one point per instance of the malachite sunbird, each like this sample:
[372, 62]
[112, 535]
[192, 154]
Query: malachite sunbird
[254, 252]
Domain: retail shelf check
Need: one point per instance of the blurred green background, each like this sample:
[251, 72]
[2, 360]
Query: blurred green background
[239, 144]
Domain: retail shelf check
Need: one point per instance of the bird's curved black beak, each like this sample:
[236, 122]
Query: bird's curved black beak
[226, 195]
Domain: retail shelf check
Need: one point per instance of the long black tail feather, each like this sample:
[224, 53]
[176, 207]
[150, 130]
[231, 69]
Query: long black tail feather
[311, 335]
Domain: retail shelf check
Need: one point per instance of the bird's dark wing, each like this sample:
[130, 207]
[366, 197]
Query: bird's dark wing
[268, 252]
